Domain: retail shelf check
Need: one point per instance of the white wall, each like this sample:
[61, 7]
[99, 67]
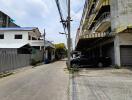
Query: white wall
[9, 37]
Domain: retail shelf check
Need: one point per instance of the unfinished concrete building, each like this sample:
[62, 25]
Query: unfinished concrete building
[106, 30]
[6, 21]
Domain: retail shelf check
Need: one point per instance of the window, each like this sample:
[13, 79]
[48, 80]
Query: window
[18, 36]
[1, 36]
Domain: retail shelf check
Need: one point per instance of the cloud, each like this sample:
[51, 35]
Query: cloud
[43, 14]
[25, 10]
[76, 12]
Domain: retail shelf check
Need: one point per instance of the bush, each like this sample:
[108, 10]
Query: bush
[34, 62]
[73, 70]
[117, 67]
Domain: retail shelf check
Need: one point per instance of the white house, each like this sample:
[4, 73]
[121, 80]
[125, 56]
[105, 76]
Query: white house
[18, 46]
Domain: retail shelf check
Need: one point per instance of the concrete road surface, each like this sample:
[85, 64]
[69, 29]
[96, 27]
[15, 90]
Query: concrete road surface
[102, 84]
[46, 82]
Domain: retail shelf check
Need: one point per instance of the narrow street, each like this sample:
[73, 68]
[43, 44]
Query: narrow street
[102, 84]
[46, 82]
[51, 82]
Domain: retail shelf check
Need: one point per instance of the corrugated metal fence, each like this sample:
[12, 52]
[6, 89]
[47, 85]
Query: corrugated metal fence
[13, 61]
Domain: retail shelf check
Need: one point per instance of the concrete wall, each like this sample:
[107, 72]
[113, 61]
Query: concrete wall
[125, 38]
[9, 37]
[121, 14]
[122, 39]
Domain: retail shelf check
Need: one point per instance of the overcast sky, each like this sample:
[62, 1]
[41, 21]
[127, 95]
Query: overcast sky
[43, 14]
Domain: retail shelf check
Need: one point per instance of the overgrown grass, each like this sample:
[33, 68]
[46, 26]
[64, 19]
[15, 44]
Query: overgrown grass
[5, 74]
[73, 70]
[35, 63]
[117, 67]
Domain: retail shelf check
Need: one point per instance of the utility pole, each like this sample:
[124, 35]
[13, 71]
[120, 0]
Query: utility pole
[66, 23]
[69, 32]
[44, 44]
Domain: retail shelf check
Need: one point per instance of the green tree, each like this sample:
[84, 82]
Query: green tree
[60, 51]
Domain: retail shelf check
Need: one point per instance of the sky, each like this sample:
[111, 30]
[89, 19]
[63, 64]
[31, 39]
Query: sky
[44, 15]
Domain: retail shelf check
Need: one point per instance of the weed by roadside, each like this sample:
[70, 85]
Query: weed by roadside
[73, 70]
[5, 74]
[117, 67]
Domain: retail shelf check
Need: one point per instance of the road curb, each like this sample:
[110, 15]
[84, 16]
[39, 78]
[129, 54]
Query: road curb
[70, 86]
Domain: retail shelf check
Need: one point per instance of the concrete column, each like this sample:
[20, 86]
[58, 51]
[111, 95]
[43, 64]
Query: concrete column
[117, 51]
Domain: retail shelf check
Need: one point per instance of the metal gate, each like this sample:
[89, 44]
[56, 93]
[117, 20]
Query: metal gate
[126, 55]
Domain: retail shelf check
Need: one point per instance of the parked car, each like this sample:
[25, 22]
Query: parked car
[84, 61]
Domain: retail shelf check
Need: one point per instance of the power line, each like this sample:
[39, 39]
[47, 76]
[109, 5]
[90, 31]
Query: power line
[61, 15]
[64, 7]
[66, 24]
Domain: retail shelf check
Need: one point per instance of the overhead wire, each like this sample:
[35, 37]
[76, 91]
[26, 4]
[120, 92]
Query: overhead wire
[64, 6]
[61, 14]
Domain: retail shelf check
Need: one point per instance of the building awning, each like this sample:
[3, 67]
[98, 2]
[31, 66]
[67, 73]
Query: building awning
[18, 28]
[13, 45]
[49, 44]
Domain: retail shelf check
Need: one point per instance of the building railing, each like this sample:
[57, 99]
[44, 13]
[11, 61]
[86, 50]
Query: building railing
[90, 35]
[103, 17]
[97, 35]
[97, 7]
[84, 11]
[95, 4]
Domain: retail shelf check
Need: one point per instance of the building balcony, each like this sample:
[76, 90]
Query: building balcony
[99, 5]
[88, 38]
[103, 23]
[36, 42]
[94, 35]
[87, 34]
[84, 12]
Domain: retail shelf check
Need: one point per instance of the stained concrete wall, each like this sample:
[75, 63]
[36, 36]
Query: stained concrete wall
[125, 38]
[122, 39]
[121, 14]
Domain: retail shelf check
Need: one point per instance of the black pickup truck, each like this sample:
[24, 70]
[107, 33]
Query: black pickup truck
[83, 61]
